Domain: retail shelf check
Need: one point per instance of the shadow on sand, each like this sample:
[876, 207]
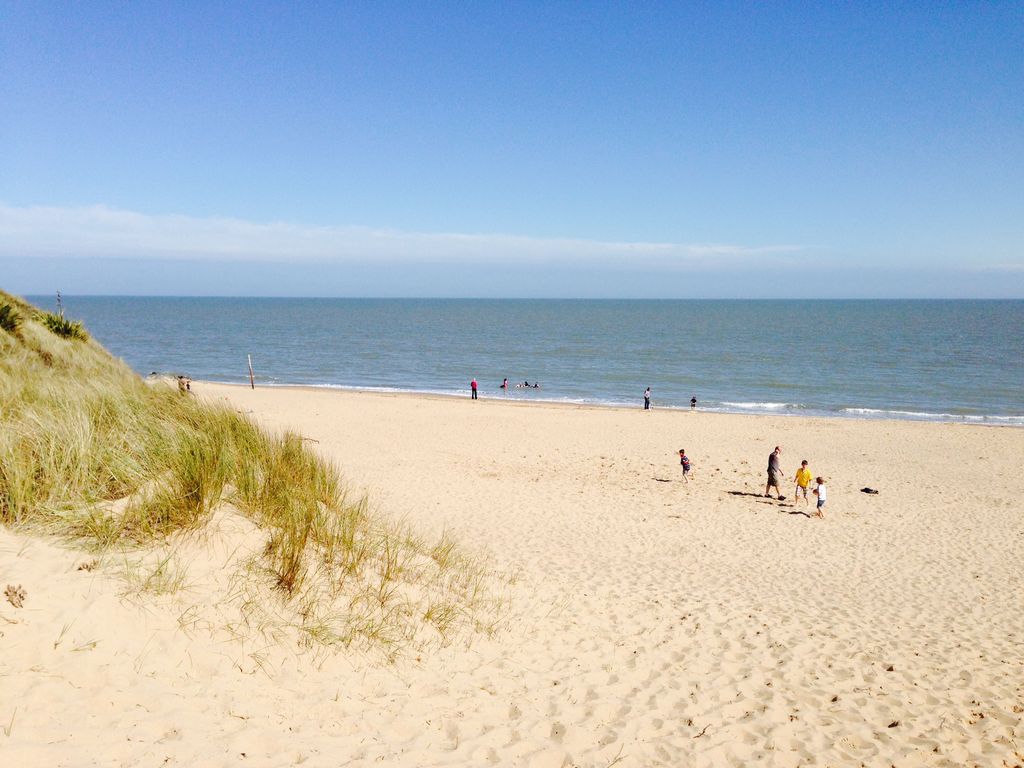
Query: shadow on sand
[755, 495]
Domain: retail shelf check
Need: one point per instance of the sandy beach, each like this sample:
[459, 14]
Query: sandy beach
[649, 622]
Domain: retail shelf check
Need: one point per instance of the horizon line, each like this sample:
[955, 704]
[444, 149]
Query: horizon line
[518, 298]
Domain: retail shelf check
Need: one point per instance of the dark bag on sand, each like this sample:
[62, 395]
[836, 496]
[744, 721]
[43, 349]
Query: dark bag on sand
[868, 490]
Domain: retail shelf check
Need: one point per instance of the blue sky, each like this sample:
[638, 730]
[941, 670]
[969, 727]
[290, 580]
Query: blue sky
[513, 149]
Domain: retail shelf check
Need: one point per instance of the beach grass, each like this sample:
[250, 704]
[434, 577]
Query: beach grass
[94, 454]
[10, 318]
[67, 329]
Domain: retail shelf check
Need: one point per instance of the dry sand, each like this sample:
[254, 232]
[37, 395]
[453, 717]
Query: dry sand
[652, 622]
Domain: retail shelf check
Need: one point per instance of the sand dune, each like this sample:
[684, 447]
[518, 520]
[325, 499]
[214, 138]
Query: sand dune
[651, 622]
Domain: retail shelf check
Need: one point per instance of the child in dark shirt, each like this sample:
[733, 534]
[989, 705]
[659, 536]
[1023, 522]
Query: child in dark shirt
[684, 461]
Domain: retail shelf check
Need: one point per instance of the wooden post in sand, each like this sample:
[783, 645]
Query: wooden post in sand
[252, 381]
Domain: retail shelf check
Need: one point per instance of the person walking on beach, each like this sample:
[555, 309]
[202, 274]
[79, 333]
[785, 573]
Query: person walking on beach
[803, 479]
[472, 386]
[647, 399]
[820, 493]
[684, 461]
[774, 474]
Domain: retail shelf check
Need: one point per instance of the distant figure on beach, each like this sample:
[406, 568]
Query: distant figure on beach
[693, 403]
[472, 386]
[504, 385]
[684, 461]
[774, 474]
[802, 479]
[647, 399]
[184, 384]
[820, 493]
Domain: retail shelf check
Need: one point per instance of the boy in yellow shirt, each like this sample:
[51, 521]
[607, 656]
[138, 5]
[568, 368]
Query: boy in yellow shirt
[803, 479]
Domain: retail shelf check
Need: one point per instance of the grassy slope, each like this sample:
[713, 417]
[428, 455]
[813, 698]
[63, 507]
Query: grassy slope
[90, 451]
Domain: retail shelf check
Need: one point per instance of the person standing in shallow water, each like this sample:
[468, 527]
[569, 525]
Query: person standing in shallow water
[647, 399]
[472, 386]
[693, 403]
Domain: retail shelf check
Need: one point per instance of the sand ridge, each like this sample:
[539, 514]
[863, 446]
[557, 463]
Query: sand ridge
[655, 623]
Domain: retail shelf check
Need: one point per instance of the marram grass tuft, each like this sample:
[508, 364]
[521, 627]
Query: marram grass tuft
[91, 452]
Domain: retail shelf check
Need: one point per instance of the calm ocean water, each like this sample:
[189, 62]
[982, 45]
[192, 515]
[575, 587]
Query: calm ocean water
[940, 360]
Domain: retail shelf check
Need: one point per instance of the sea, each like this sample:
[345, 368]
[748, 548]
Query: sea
[952, 361]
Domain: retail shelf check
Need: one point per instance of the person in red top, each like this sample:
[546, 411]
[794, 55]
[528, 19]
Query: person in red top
[684, 461]
[472, 386]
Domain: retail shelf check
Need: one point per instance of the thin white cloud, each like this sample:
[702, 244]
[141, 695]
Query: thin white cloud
[100, 231]
[1012, 267]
